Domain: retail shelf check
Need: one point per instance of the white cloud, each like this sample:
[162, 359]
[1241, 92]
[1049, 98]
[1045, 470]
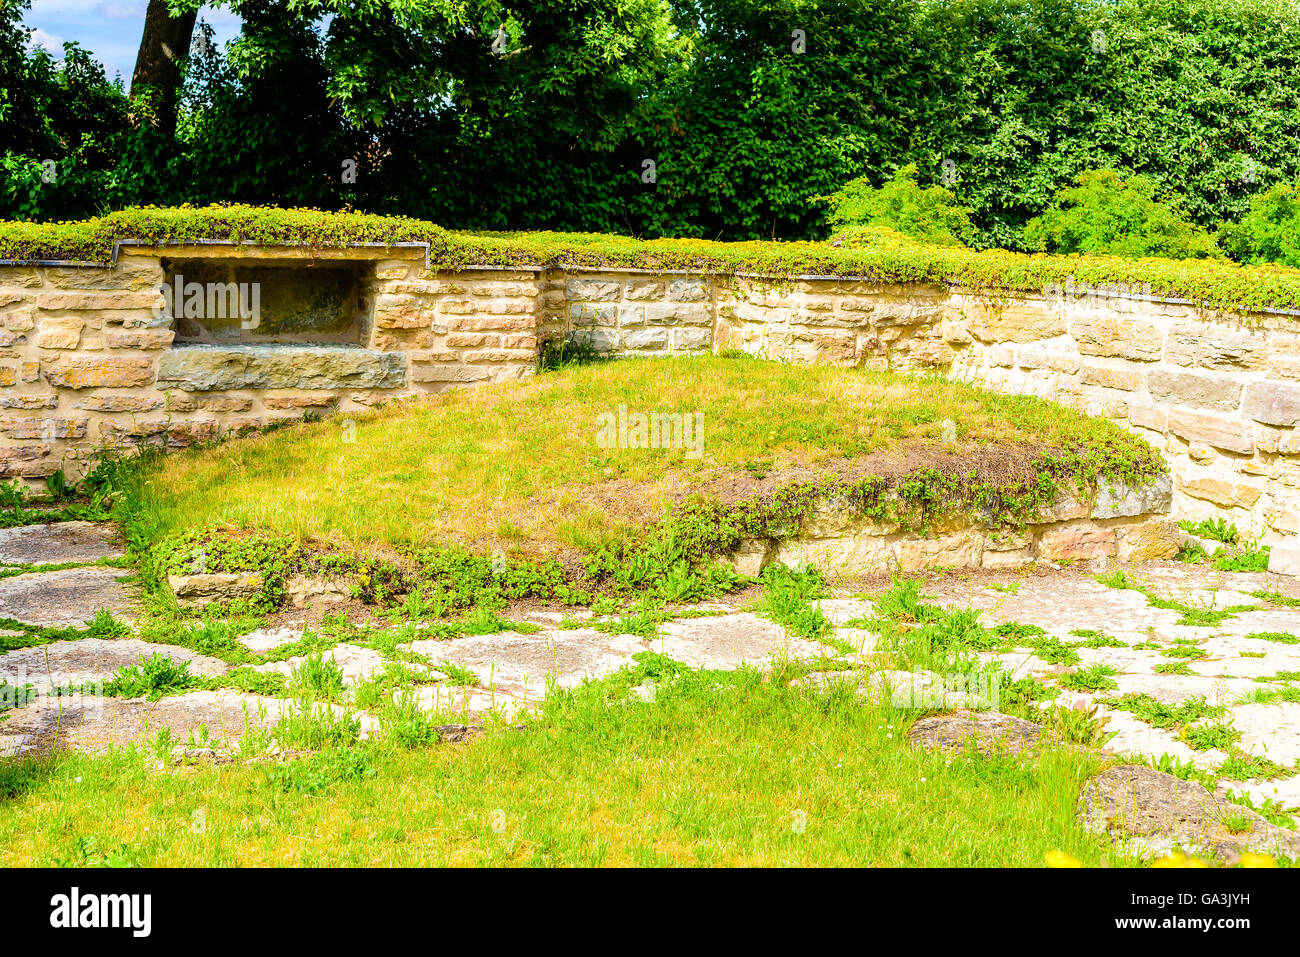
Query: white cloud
[39, 38]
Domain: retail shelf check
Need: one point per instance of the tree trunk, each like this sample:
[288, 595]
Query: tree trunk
[165, 40]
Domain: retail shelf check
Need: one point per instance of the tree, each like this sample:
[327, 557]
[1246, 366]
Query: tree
[155, 84]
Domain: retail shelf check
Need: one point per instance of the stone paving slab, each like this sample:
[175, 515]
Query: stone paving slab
[356, 662]
[729, 641]
[67, 598]
[60, 663]
[58, 543]
[520, 665]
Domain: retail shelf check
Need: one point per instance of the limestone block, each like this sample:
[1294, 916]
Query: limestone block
[1109, 334]
[1273, 403]
[90, 372]
[60, 332]
[1213, 346]
[1198, 391]
[1231, 435]
[1077, 542]
[1119, 500]
[219, 368]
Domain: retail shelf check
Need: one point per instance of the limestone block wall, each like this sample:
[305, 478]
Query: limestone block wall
[1217, 393]
[87, 359]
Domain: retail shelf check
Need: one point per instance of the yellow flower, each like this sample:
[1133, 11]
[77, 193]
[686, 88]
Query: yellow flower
[1178, 859]
[1249, 859]
[1061, 859]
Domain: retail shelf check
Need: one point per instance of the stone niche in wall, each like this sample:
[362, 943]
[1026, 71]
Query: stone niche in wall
[231, 301]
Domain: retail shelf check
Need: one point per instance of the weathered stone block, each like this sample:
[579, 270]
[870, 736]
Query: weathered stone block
[1055, 544]
[60, 332]
[1148, 541]
[1273, 403]
[645, 339]
[1118, 336]
[1127, 380]
[1231, 435]
[139, 339]
[29, 401]
[1014, 322]
[91, 372]
[196, 591]
[688, 289]
[1216, 347]
[690, 340]
[1284, 558]
[585, 314]
[1220, 492]
[593, 290]
[638, 289]
[218, 368]
[454, 372]
[670, 313]
[1119, 500]
[119, 403]
[1198, 391]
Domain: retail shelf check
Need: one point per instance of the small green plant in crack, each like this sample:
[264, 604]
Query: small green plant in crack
[1055, 651]
[1278, 637]
[1165, 716]
[1202, 737]
[1184, 771]
[154, 677]
[1183, 648]
[1271, 810]
[1237, 823]
[318, 773]
[457, 675]
[1096, 639]
[788, 599]
[1116, 579]
[1022, 696]
[1078, 725]
[317, 678]
[1009, 588]
[1018, 634]
[304, 726]
[1240, 766]
[1216, 530]
[1147, 646]
[1275, 598]
[1095, 677]
[404, 723]
[1173, 668]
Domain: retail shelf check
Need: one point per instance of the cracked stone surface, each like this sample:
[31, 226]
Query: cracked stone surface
[1249, 677]
[1160, 813]
[92, 659]
[67, 598]
[59, 543]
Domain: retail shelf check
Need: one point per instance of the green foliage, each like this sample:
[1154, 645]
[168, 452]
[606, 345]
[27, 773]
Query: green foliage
[1215, 529]
[788, 600]
[1105, 214]
[154, 677]
[930, 215]
[1270, 230]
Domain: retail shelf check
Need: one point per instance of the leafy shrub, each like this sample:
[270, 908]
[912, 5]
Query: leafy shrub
[931, 215]
[1106, 214]
[153, 678]
[1270, 230]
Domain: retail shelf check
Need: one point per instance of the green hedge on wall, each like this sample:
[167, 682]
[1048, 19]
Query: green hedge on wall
[885, 257]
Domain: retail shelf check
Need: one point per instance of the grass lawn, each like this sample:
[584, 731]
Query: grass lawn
[720, 769]
[519, 467]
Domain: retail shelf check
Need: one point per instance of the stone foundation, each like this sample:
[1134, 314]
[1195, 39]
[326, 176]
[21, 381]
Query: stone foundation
[88, 357]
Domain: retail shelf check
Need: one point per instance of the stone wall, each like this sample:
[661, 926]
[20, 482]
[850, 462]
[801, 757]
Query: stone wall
[87, 357]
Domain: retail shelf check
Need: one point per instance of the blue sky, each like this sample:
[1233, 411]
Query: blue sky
[109, 29]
